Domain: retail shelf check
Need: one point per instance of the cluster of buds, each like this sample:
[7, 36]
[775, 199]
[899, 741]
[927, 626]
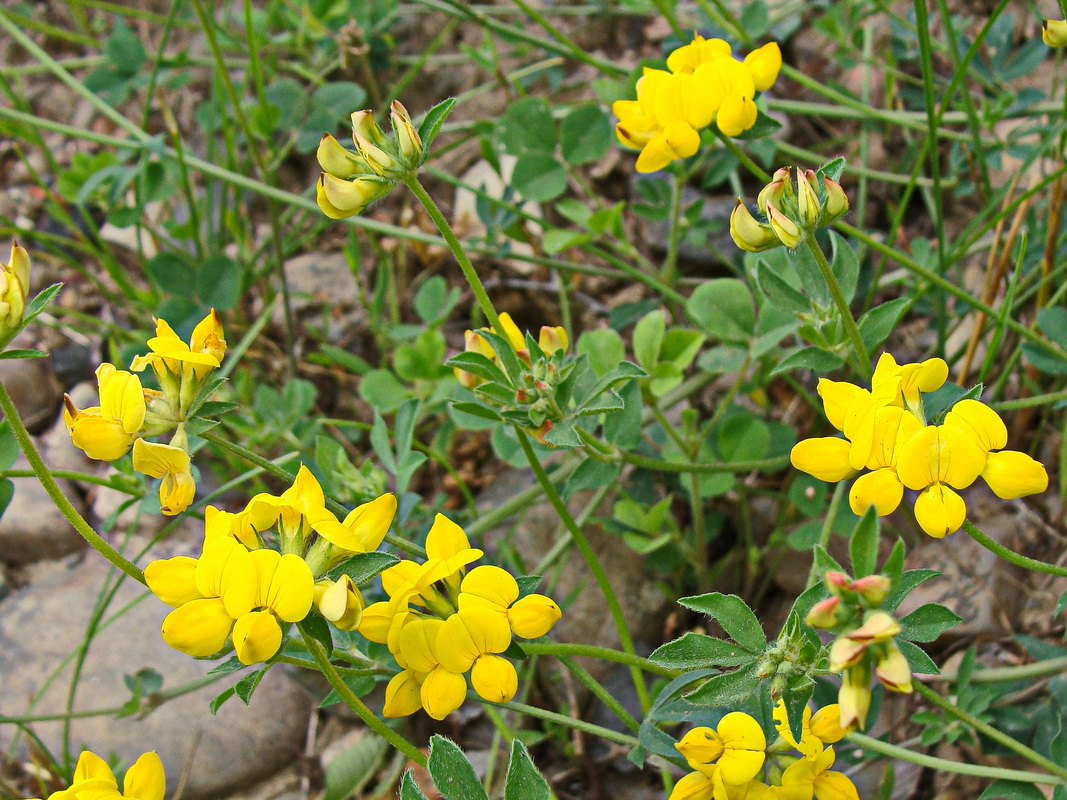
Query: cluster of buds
[1054, 32]
[14, 287]
[865, 641]
[442, 622]
[885, 431]
[531, 393]
[793, 211]
[129, 414]
[264, 568]
[351, 181]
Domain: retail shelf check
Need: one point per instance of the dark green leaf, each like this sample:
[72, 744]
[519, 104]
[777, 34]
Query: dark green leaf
[433, 121]
[863, 546]
[348, 772]
[409, 790]
[813, 358]
[477, 410]
[908, 581]
[247, 685]
[696, 651]
[22, 354]
[452, 773]
[591, 474]
[539, 176]
[733, 614]
[219, 699]
[360, 685]
[523, 780]
[1046, 361]
[173, 274]
[363, 566]
[477, 364]
[920, 663]
[219, 282]
[40, 302]
[876, 325]
[1011, 790]
[585, 135]
[726, 689]
[318, 629]
[527, 126]
[798, 692]
[927, 622]
[723, 308]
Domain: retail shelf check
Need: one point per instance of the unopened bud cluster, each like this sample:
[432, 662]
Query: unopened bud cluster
[352, 181]
[533, 396]
[865, 642]
[793, 211]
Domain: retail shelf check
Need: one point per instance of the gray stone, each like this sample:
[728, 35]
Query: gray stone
[32, 384]
[42, 624]
[32, 528]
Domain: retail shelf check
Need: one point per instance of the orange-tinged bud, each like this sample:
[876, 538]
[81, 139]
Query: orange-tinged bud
[873, 588]
[836, 581]
[893, 670]
[824, 613]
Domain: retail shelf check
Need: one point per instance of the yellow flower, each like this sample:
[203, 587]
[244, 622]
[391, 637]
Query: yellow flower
[283, 591]
[470, 640]
[814, 776]
[1054, 32]
[108, 431]
[494, 588]
[172, 464]
[340, 602]
[854, 697]
[403, 694]
[442, 690]
[736, 746]
[14, 287]
[749, 233]
[181, 368]
[821, 728]
[340, 199]
[94, 780]
[694, 786]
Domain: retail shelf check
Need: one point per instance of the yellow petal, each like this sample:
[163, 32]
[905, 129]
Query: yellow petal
[328, 208]
[678, 139]
[145, 779]
[694, 786]
[533, 616]
[101, 439]
[292, 589]
[493, 584]
[211, 565]
[91, 767]
[335, 159]
[122, 399]
[1054, 32]
[701, 745]
[787, 231]
[835, 786]
[823, 458]
[854, 698]
[740, 766]
[881, 489]
[749, 233]
[199, 628]
[256, 637]
[940, 453]
[156, 460]
[340, 602]
[1012, 474]
[764, 65]
[893, 670]
[940, 511]
[176, 492]
[418, 644]
[445, 538]
[239, 588]
[402, 695]
[370, 521]
[494, 678]
[837, 396]
[173, 580]
[690, 56]
[377, 618]
[736, 115]
[738, 730]
[443, 692]
[981, 422]
[826, 724]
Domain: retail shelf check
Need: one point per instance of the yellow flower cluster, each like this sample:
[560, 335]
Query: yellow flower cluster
[729, 759]
[14, 287]
[442, 622]
[242, 591]
[703, 84]
[859, 651]
[885, 431]
[94, 780]
[128, 413]
[550, 340]
[351, 181]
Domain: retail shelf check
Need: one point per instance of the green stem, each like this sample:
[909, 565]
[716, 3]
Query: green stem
[1038, 669]
[43, 474]
[944, 765]
[593, 651]
[1010, 555]
[73, 475]
[284, 475]
[439, 219]
[322, 661]
[859, 349]
[827, 528]
[989, 731]
[1029, 402]
[593, 685]
[763, 464]
[571, 722]
[591, 560]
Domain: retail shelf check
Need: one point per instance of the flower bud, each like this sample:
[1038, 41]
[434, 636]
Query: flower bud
[339, 199]
[836, 205]
[14, 286]
[533, 616]
[893, 670]
[808, 206]
[367, 137]
[336, 160]
[407, 138]
[340, 602]
[776, 192]
[824, 614]
[854, 698]
[836, 581]
[872, 588]
[788, 232]
[1054, 32]
[748, 233]
[552, 340]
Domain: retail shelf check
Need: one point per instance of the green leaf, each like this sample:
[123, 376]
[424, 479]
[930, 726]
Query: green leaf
[591, 474]
[1052, 320]
[927, 622]
[813, 358]
[9, 446]
[219, 282]
[876, 325]
[539, 176]
[349, 772]
[173, 274]
[433, 121]
[22, 354]
[680, 346]
[905, 583]
[724, 309]
[527, 127]
[409, 790]
[585, 135]
[523, 780]
[219, 699]
[727, 689]
[920, 663]
[363, 566]
[318, 629]
[798, 692]
[648, 337]
[339, 98]
[863, 546]
[556, 240]
[733, 614]
[382, 391]
[434, 301]
[125, 51]
[480, 365]
[832, 169]
[1048, 362]
[779, 291]
[755, 19]
[623, 428]
[765, 126]
[40, 302]
[604, 348]
[452, 773]
[743, 437]
[697, 651]
[245, 687]
[1011, 790]
[477, 410]
[359, 685]
[845, 265]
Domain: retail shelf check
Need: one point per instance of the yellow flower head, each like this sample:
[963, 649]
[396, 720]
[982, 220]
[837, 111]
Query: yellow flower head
[817, 730]
[808, 776]
[172, 464]
[14, 288]
[108, 431]
[94, 780]
[736, 746]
